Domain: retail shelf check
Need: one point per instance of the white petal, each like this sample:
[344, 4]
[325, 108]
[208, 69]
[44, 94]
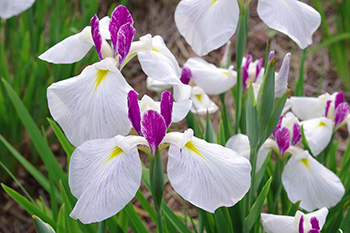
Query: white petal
[281, 82]
[287, 106]
[309, 107]
[206, 24]
[9, 8]
[321, 216]
[180, 110]
[288, 121]
[104, 28]
[240, 144]
[159, 63]
[278, 223]
[91, 105]
[307, 180]
[201, 102]
[157, 86]
[211, 79]
[104, 178]
[182, 92]
[71, 49]
[318, 133]
[291, 17]
[208, 175]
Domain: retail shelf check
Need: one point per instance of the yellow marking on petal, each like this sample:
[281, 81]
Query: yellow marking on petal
[115, 153]
[321, 124]
[212, 3]
[189, 145]
[225, 73]
[199, 97]
[306, 163]
[100, 76]
[155, 50]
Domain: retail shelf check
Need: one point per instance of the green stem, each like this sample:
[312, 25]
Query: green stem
[101, 227]
[157, 185]
[253, 159]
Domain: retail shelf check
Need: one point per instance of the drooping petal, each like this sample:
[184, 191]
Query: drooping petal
[134, 113]
[180, 110]
[153, 128]
[166, 107]
[211, 79]
[9, 8]
[278, 223]
[307, 107]
[155, 85]
[71, 49]
[91, 105]
[281, 83]
[305, 179]
[202, 104]
[240, 144]
[206, 24]
[318, 133]
[96, 35]
[125, 36]
[205, 174]
[293, 18]
[157, 61]
[182, 92]
[104, 174]
[120, 16]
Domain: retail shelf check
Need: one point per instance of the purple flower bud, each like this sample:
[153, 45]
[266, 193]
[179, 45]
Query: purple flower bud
[283, 140]
[134, 111]
[186, 75]
[96, 35]
[271, 55]
[153, 128]
[278, 126]
[296, 134]
[341, 112]
[259, 66]
[301, 224]
[125, 36]
[245, 70]
[328, 104]
[339, 98]
[314, 223]
[166, 107]
[120, 16]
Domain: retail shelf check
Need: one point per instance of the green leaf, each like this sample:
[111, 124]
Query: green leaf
[42, 227]
[223, 221]
[40, 178]
[134, 219]
[266, 97]
[252, 119]
[67, 147]
[299, 84]
[39, 142]
[27, 205]
[61, 221]
[146, 205]
[209, 131]
[293, 209]
[255, 211]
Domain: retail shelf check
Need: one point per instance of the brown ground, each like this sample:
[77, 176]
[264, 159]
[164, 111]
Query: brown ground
[156, 18]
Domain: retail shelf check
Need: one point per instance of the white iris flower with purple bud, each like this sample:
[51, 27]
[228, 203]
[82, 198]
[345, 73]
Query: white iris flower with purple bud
[208, 24]
[94, 103]
[303, 177]
[300, 223]
[105, 174]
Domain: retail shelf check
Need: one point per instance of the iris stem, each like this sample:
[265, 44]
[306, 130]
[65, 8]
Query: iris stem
[157, 185]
